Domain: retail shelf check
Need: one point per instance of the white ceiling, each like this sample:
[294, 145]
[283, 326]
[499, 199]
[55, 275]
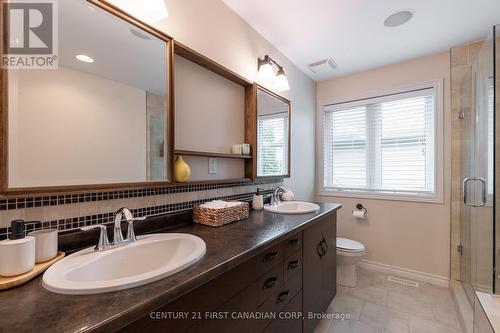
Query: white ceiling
[353, 34]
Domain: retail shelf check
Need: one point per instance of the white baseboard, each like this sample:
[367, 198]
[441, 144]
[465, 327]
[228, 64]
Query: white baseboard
[406, 273]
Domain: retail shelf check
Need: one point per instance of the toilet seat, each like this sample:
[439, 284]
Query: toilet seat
[349, 246]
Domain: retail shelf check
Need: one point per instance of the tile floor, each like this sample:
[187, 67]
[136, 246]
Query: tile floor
[378, 305]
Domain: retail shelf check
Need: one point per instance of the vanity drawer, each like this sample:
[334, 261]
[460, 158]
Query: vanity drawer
[292, 265]
[268, 259]
[283, 295]
[292, 243]
[269, 283]
[288, 321]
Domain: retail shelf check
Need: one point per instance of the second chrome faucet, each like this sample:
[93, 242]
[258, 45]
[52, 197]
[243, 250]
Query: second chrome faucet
[121, 214]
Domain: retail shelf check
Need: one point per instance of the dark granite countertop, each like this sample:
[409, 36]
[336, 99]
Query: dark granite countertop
[31, 308]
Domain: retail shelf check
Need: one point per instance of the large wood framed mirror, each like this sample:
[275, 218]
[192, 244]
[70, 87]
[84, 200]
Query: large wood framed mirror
[273, 135]
[102, 119]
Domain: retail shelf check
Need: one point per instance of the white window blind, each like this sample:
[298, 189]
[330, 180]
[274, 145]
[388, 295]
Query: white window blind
[385, 144]
[272, 144]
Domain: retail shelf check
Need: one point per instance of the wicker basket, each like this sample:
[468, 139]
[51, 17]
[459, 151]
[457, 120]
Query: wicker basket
[217, 217]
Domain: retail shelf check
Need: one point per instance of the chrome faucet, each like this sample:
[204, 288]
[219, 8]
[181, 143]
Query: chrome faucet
[104, 244]
[277, 193]
[129, 217]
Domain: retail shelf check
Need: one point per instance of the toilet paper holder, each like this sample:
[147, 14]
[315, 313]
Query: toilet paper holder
[360, 207]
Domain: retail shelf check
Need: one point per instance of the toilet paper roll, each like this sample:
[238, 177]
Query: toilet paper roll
[359, 214]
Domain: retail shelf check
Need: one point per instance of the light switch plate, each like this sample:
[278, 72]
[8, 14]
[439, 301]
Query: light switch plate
[212, 165]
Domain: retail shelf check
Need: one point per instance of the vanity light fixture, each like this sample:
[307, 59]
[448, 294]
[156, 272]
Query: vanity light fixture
[84, 58]
[267, 76]
[281, 83]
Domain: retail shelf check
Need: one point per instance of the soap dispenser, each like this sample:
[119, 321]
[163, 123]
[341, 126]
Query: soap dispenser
[17, 254]
[258, 201]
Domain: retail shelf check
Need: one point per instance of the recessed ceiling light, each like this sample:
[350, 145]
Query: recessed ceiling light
[84, 58]
[399, 18]
[139, 34]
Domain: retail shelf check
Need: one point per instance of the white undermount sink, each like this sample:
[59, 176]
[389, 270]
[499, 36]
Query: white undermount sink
[292, 207]
[150, 258]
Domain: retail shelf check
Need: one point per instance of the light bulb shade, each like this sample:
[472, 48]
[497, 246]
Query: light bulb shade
[266, 74]
[150, 11]
[281, 83]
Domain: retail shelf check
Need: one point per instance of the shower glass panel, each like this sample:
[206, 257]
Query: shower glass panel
[481, 188]
[495, 101]
[477, 172]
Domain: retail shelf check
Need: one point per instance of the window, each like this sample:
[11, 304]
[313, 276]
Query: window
[384, 146]
[273, 144]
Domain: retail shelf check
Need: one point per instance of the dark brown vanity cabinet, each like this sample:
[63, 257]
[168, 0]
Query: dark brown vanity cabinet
[319, 271]
[289, 279]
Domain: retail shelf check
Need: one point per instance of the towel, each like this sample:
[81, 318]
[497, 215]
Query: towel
[219, 204]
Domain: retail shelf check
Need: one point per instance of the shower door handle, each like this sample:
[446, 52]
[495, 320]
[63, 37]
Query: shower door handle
[484, 195]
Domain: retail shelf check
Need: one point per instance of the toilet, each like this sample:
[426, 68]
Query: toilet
[349, 253]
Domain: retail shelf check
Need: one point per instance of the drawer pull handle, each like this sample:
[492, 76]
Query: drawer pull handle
[282, 297]
[324, 245]
[270, 283]
[293, 264]
[293, 243]
[320, 250]
[270, 256]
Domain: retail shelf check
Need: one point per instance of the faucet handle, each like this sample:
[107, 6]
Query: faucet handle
[130, 231]
[103, 236]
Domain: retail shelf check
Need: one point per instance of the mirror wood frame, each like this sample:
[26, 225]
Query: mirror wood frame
[112, 10]
[251, 129]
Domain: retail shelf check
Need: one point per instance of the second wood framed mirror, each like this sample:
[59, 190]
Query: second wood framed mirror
[271, 142]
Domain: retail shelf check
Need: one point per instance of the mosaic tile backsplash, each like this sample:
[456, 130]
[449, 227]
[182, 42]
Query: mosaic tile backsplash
[71, 211]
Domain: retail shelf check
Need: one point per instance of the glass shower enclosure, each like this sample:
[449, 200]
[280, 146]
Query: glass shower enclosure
[479, 223]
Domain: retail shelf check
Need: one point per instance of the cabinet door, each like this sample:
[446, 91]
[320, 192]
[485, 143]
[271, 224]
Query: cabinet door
[312, 274]
[329, 277]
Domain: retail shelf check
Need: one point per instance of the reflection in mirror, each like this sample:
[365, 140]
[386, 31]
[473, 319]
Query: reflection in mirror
[272, 135]
[101, 117]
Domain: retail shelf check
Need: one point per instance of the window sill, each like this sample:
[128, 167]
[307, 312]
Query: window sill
[381, 196]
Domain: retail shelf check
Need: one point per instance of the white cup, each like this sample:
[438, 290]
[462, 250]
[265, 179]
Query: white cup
[17, 256]
[45, 243]
[236, 149]
[245, 149]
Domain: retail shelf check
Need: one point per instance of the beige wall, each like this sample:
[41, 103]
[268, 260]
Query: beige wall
[209, 109]
[60, 136]
[212, 28]
[410, 235]
[209, 116]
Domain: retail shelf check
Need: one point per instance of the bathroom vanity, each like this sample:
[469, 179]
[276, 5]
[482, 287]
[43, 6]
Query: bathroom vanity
[268, 264]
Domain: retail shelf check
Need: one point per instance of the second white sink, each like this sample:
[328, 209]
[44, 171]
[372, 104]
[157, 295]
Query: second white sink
[150, 258]
[292, 207]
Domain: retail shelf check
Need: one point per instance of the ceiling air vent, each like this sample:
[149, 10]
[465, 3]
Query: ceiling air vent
[322, 66]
